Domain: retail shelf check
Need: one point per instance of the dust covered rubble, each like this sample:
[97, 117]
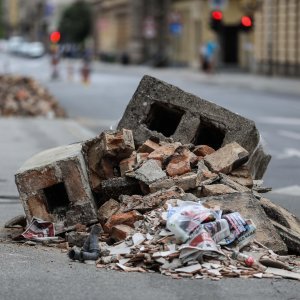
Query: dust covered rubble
[165, 204]
[170, 176]
[23, 96]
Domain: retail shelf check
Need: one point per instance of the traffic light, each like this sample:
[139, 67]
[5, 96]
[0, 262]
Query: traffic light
[246, 23]
[55, 37]
[216, 20]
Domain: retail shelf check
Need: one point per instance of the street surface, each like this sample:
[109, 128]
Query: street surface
[45, 273]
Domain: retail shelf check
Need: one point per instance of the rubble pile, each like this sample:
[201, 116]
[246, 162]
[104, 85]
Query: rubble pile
[23, 96]
[184, 209]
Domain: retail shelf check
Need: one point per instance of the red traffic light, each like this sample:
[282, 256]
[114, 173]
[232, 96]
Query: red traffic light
[217, 15]
[246, 21]
[55, 37]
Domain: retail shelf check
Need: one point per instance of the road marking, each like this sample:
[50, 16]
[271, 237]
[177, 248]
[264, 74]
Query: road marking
[289, 134]
[288, 153]
[293, 190]
[279, 120]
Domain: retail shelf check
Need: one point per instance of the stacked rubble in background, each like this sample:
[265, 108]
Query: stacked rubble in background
[23, 96]
[126, 180]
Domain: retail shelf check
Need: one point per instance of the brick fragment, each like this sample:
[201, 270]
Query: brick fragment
[121, 232]
[127, 164]
[128, 218]
[216, 189]
[227, 158]
[180, 162]
[108, 209]
[164, 151]
[203, 150]
[118, 144]
[203, 173]
[148, 147]
[150, 201]
[242, 175]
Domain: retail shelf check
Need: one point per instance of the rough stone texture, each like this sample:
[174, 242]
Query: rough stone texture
[53, 185]
[150, 201]
[149, 172]
[203, 173]
[121, 232]
[216, 189]
[249, 207]
[224, 179]
[203, 150]
[242, 176]
[128, 218]
[227, 158]
[186, 182]
[113, 188]
[75, 238]
[148, 147]
[287, 224]
[107, 210]
[161, 110]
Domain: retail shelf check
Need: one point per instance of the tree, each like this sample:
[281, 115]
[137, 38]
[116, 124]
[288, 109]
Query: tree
[76, 23]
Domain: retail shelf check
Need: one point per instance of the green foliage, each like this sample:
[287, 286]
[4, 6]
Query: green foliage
[76, 22]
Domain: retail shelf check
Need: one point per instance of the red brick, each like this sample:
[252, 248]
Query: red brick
[128, 218]
[121, 232]
[127, 164]
[148, 147]
[108, 209]
[164, 151]
[203, 150]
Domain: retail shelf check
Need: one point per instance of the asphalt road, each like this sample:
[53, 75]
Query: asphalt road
[44, 273]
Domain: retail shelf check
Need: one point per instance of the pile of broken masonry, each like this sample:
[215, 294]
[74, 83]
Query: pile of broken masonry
[177, 192]
[23, 96]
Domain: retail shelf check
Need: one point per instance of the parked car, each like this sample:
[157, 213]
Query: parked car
[14, 44]
[34, 50]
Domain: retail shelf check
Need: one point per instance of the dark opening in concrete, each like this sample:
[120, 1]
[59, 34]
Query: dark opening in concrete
[57, 199]
[208, 134]
[163, 118]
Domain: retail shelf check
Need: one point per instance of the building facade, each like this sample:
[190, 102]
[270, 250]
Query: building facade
[277, 38]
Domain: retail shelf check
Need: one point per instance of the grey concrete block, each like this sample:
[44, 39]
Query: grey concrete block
[53, 185]
[158, 109]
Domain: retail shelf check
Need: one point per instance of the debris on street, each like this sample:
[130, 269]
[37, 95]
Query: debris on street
[144, 199]
[23, 96]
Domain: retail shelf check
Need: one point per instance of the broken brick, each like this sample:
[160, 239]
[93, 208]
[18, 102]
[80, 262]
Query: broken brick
[203, 150]
[216, 189]
[164, 151]
[180, 162]
[121, 232]
[128, 218]
[227, 158]
[242, 175]
[118, 144]
[127, 164]
[108, 209]
[148, 147]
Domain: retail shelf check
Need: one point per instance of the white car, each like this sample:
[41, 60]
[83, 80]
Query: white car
[14, 44]
[34, 49]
